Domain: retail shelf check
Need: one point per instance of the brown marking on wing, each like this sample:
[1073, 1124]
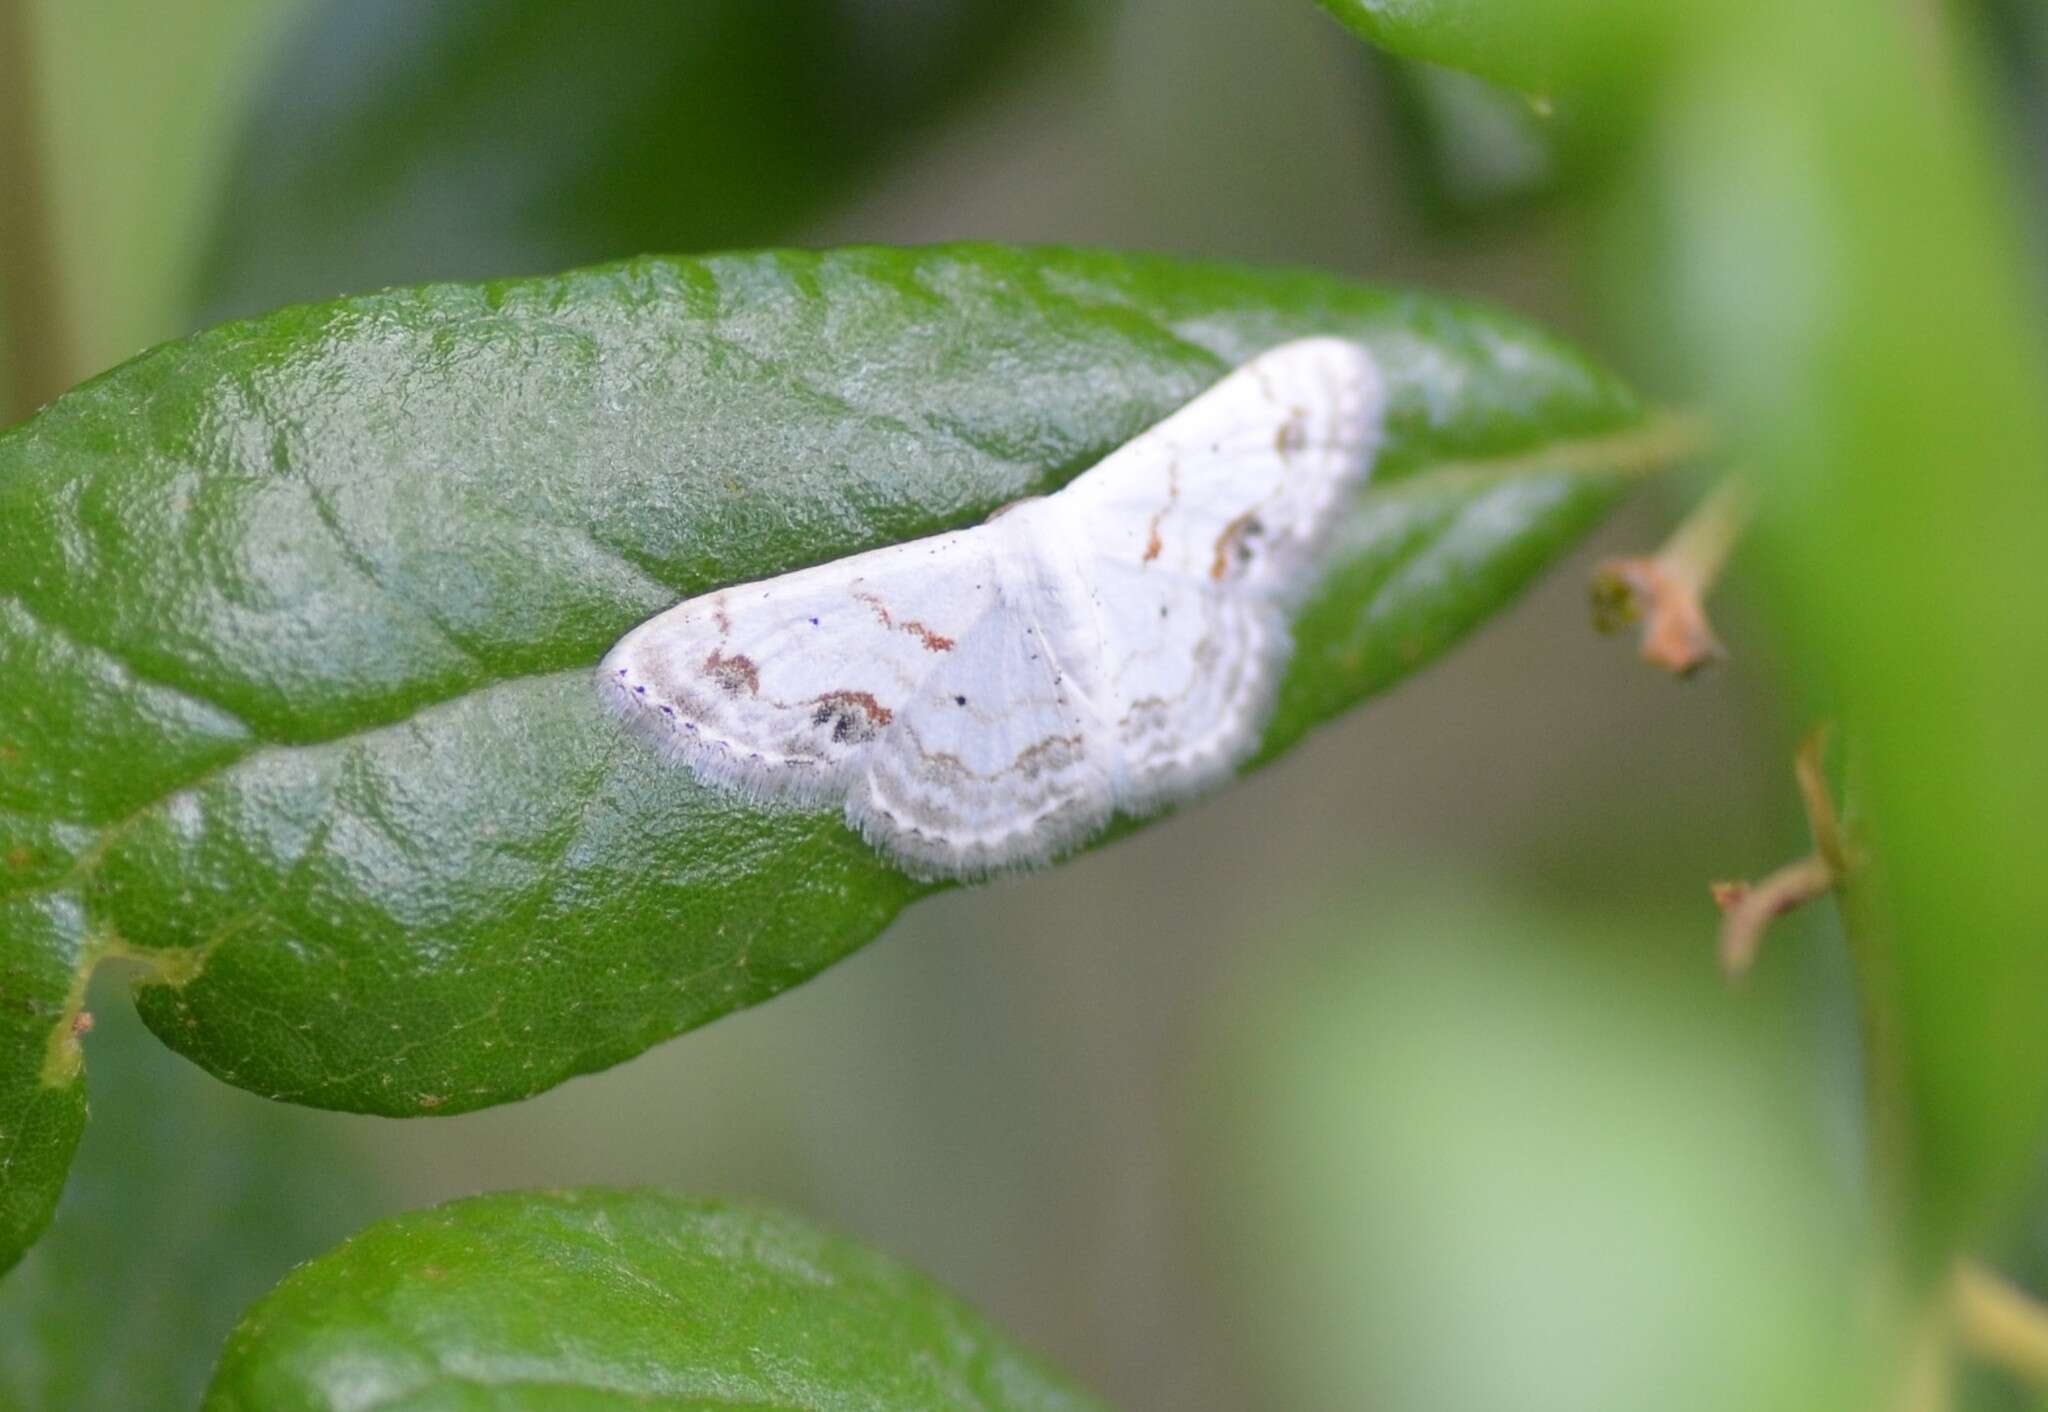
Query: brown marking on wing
[878, 713]
[933, 642]
[1153, 543]
[720, 616]
[876, 604]
[1293, 433]
[1233, 540]
[1054, 752]
[733, 673]
[853, 715]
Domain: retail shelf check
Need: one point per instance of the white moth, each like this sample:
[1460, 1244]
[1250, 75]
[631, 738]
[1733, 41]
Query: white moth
[986, 699]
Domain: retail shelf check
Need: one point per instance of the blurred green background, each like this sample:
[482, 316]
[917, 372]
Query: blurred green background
[1398, 1076]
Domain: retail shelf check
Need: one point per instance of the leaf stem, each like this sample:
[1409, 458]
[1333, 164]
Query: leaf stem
[1698, 549]
[1667, 590]
[1649, 447]
[63, 1056]
[38, 346]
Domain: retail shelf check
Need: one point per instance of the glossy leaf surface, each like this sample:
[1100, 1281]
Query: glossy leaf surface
[297, 621]
[595, 1300]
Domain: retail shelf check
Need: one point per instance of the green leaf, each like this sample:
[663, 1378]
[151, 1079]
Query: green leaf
[1469, 150]
[399, 142]
[298, 616]
[1889, 393]
[42, 1109]
[1475, 36]
[1603, 56]
[189, 1200]
[596, 1299]
[1813, 170]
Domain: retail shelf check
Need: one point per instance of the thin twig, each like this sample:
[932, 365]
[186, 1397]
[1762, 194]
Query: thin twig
[1809, 769]
[1998, 1321]
[1748, 909]
[1667, 590]
[1840, 865]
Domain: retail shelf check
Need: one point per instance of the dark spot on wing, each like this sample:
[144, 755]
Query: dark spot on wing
[733, 674]
[852, 716]
[1235, 542]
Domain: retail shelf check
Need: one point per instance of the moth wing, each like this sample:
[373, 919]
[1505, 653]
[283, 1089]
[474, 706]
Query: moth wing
[998, 760]
[1202, 533]
[778, 687]
[1241, 484]
[984, 699]
[1193, 668]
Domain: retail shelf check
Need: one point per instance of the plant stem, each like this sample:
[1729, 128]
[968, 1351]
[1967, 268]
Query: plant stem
[1667, 590]
[1748, 909]
[1839, 865]
[1699, 548]
[38, 349]
[1654, 445]
[1999, 1322]
[1887, 1102]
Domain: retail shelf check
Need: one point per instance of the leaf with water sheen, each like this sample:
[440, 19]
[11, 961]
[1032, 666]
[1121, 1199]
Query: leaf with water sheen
[298, 617]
